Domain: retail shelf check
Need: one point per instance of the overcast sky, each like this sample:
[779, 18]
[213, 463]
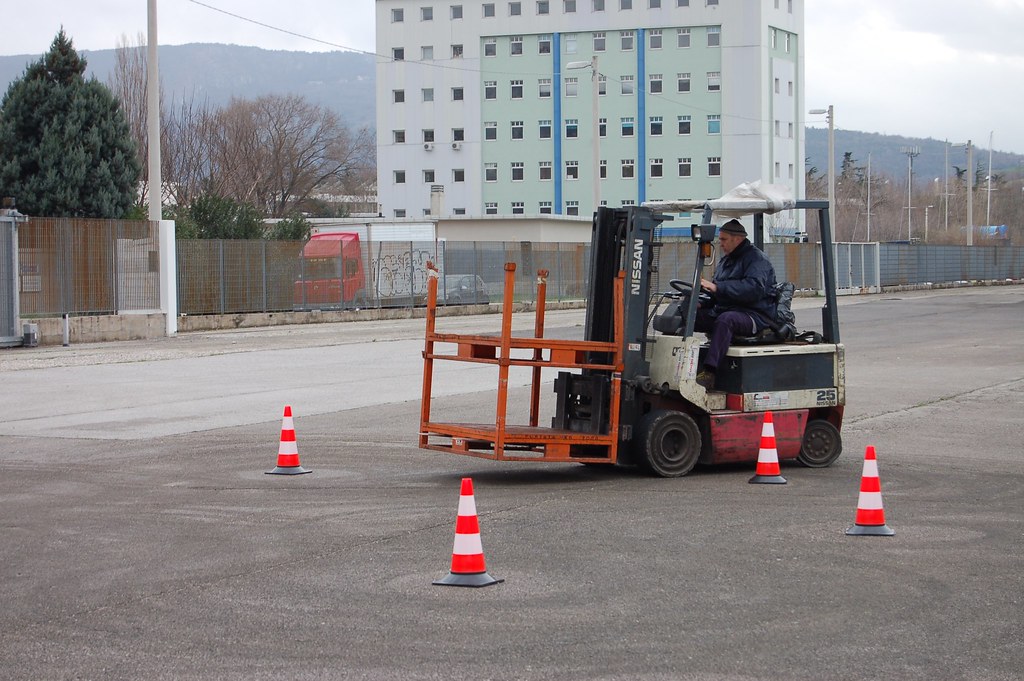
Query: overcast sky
[947, 69]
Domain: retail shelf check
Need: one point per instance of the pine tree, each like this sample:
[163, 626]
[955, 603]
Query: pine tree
[65, 147]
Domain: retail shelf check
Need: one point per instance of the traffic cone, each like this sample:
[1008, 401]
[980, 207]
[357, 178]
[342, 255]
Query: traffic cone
[468, 567]
[767, 472]
[288, 450]
[870, 514]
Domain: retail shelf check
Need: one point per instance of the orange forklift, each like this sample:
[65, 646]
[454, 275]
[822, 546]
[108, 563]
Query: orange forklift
[627, 393]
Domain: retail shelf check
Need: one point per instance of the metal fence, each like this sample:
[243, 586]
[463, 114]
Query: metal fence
[95, 267]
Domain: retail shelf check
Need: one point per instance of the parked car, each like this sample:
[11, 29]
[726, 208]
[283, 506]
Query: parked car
[462, 289]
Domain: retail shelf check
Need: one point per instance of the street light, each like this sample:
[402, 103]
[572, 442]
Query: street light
[926, 222]
[831, 164]
[911, 152]
[596, 123]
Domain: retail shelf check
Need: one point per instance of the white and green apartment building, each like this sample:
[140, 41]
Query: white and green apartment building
[492, 103]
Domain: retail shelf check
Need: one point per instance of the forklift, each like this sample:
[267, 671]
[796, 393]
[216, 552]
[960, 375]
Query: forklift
[627, 393]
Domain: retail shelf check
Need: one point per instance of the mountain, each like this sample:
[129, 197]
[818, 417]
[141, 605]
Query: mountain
[344, 82]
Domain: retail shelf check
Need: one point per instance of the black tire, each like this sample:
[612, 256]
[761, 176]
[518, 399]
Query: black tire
[821, 445]
[669, 443]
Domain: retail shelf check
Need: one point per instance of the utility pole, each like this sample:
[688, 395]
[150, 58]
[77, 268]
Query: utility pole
[911, 152]
[156, 193]
[988, 202]
[970, 193]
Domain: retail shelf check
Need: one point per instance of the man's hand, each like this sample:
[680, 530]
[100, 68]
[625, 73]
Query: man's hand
[708, 285]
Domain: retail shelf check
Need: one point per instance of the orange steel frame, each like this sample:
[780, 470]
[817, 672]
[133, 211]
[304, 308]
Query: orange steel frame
[501, 440]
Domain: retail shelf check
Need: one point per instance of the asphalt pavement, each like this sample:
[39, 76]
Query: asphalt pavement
[141, 538]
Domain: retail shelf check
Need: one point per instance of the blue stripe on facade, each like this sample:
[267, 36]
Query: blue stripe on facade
[641, 116]
[556, 123]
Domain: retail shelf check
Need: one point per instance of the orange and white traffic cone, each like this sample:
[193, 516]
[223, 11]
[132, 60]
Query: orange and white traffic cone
[288, 450]
[468, 568]
[870, 518]
[767, 472]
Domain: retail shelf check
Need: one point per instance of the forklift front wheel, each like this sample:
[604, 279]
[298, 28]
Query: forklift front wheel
[822, 444]
[670, 443]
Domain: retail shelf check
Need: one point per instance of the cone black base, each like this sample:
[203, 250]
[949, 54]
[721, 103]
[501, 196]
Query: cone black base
[288, 470]
[475, 580]
[871, 531]
[767, 480]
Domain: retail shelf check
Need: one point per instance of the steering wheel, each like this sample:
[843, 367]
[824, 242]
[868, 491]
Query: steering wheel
[680, 285]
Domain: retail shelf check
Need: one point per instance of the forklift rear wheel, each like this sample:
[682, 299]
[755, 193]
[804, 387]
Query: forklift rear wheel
[822, 444]
[670, 443]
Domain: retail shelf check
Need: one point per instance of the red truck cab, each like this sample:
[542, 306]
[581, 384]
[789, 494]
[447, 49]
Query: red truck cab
[331, 271]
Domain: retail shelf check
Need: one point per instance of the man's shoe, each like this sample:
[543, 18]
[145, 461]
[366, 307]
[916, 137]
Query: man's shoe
[706, 379]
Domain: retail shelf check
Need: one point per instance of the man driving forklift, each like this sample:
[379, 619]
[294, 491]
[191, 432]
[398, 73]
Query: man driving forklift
[742, 297]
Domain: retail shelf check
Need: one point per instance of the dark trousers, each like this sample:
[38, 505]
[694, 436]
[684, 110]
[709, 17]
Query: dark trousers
[720, 331]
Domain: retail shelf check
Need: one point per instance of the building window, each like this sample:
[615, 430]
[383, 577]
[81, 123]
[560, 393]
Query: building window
[684, 167]
[517, 130]
[490, 172]
[428, 94]
[456, 51]
[625, 4]
[657, 166]
[569, 6]
[778, 169]
[399, 177]
[627, 87]
[599, 41]
[428, 135]
[570, 43]
[790, 88]
[655, 41]
[398, 53]
[544, 44]
[544, 207]
[398, 96]
[598, 5]
[654, 86]
[778, 125]
[788, 36]
[518, 173]
[544, 130]
[682, 37]
[715, 124]
[653, 4]
[714, 81]
[426, 13]
[602, 85]
[626, 40]
[488, 10]
[458, 135]
[602, 127]
[545, 171]
[572, 170]
[518, 208]
[603, 170]
[426, 53]
[657, 125]
[515, 9]
[490, 209]
[777, 86]
[491, 47]
[790, 130]
[714, 166]
[399, 212]
[428, 176]
[515, 45]
[791, 171]
[683, 82]
[543, 7]
[627, 126]
[682, 3]
[572, 128]
[456, 12]
[572, 87]
[397, 16]
[490, 131]
[711, 3]
[628, 167]
[458, 211]
[398, 136]
[516, 89]
[714, 36]
[458, 175]
[572, 207]
[544, 88]
[457, 94]
[490, 89]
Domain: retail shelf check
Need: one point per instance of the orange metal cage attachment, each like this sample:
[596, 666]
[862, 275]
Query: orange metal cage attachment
[501, 440]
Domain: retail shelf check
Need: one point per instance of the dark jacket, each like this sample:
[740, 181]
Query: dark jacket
[746, 281]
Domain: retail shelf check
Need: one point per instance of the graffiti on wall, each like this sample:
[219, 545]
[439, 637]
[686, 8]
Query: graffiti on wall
[399, 270]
